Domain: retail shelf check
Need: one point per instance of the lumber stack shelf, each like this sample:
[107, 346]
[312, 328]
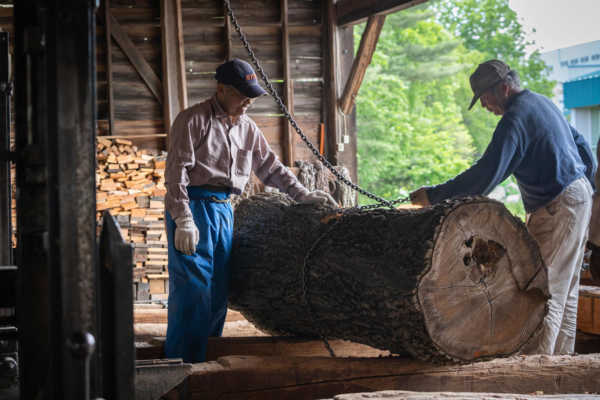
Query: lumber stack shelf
[130, 185]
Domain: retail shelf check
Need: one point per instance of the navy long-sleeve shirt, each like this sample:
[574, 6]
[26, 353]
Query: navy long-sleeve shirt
[534, 142]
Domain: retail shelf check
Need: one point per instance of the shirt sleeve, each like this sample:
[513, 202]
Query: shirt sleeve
[271, 171]
[499, 160]
[180, 158]
[585, 152]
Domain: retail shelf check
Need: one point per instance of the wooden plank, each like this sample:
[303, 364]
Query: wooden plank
[330, 96]
[173, 64]
[288, 132]
[411, 395]
[137, 60]
[264, 346]
[588, 310]
[248, 377]
[350, 12]
[368, 44]
[109, 75]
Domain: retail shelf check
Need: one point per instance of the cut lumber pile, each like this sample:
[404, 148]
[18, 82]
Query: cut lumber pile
[460, 281]
[130, 184]
[270, 378]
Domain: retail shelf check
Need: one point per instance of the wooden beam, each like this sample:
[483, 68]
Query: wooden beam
[109, 80]
[289, 142]
[330, 74]
[368, 44]
[174, 79]
[350, 12]
[275, 377]
[228, 30]
[136, 58]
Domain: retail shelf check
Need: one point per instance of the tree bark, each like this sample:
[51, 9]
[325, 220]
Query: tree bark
[459, 281]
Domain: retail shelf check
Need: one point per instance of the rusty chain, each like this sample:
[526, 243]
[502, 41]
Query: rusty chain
[380, 201]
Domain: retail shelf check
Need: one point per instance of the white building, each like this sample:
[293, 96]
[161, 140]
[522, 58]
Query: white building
[577, 71]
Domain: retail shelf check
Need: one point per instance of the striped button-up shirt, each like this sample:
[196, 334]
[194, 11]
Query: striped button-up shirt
[205, 148]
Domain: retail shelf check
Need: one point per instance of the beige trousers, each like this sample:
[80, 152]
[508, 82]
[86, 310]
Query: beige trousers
[561, 229]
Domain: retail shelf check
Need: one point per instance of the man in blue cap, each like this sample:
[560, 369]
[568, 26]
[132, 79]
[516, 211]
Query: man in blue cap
[554, 168]
[213, 148]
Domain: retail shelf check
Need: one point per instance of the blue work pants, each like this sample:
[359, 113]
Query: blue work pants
[198, 283]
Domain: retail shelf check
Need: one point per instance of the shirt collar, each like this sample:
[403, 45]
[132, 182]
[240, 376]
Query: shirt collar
[512, 99]
[221, 114]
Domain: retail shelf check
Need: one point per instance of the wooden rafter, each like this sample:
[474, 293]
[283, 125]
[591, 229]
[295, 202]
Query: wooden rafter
[368, 44]
[289, 142]
[136, 58]
[351, 12]
[173, 61]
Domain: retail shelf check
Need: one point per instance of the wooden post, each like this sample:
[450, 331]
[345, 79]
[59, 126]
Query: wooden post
[289, 142]
[109, 80]
[330, 108]
[368, 44]
[173, 61]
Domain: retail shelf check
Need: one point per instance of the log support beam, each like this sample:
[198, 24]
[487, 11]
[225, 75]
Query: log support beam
[351, 12]
[368, 44]
[318, 377]
[173, 61]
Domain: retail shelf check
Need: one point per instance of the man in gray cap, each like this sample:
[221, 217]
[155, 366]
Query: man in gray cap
[213, 148]
[554, 168]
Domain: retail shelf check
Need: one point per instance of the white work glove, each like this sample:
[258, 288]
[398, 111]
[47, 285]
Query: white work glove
[186, 235]
[317, 197]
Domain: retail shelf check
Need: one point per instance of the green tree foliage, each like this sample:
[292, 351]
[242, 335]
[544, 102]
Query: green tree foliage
[409, 124]
[413, 125]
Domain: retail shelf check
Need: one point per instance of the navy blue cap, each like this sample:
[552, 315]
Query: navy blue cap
[240, 75]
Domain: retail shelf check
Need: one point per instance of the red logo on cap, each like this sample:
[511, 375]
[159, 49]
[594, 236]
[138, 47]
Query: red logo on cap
[250, 77]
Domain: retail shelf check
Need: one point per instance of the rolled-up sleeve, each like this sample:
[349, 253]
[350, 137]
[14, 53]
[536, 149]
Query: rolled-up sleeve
[271, 171]
[180, 159]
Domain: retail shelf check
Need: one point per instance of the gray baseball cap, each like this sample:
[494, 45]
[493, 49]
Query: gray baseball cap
[486, 76]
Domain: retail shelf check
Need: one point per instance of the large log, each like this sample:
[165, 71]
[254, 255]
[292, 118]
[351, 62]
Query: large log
[459, 281]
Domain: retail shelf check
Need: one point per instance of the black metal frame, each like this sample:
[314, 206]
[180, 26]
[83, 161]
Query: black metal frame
[55, 96]
[5, 154]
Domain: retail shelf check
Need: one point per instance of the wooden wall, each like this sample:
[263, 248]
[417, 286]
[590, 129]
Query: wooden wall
[139, 115]
[206, 46]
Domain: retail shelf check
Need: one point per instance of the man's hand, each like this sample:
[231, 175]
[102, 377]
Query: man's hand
[318, 197]
[186, 235]
[594, 261]
[419, 197]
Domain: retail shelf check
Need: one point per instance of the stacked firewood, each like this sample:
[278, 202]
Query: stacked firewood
[130, 184]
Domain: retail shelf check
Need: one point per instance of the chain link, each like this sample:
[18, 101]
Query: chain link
[380, 200]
